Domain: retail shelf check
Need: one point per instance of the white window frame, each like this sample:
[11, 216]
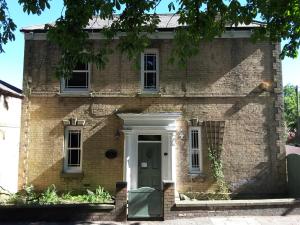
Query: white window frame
[199, 169]
[65, 89]
[67, 168]
[156, 89]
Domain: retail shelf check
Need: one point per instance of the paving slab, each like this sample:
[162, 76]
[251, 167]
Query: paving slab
[231, 220]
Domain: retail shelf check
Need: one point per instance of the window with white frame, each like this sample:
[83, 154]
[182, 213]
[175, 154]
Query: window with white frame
[73, 149]
[80, 79]
[195, 150]
[150, 70]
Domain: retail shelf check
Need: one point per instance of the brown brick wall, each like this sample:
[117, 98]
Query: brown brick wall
[222, 67]
[169, 200]
[223, 79]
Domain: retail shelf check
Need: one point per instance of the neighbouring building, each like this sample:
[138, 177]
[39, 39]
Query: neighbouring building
[154, 124]
[10, 121]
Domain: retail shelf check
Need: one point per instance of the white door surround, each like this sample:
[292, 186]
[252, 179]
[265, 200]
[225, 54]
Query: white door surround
[163, 124]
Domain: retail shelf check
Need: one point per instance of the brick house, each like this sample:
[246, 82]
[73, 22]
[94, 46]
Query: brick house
[154, 124]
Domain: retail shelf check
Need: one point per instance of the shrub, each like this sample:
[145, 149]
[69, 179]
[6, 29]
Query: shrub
[50, 196]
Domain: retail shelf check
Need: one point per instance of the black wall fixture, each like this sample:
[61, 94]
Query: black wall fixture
[111, 153]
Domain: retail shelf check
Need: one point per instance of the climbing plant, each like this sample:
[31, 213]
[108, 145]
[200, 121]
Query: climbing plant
[214, 155]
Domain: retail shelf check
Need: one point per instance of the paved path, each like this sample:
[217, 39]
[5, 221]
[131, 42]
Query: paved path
[234, 220]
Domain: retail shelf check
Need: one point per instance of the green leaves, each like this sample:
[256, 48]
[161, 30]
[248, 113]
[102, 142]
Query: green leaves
[214, 156]
[34, 6]
[50, 196]
[7, 26]
[290, 106]
[171, 6]
[199, 20]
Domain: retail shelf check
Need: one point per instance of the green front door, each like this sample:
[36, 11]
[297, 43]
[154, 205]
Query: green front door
[146, 200]
[149, 165]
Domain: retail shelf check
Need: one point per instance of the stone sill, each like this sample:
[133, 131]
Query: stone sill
[74, 94]
[195, 175]
[237, 203]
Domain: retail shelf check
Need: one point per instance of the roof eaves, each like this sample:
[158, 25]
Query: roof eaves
[11, 88]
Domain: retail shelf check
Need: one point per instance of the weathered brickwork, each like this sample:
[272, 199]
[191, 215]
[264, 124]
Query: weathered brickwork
[219, 84]
[169, 200]
[121, 201]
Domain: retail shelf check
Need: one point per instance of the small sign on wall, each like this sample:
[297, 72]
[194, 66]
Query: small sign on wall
[144, 165]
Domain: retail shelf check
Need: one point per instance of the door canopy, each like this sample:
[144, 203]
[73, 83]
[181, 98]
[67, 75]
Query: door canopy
[150, 121]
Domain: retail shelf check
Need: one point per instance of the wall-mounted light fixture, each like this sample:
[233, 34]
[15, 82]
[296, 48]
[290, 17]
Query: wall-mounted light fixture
[266, 85]
[118, 134]
[194, 122]
[181, 134]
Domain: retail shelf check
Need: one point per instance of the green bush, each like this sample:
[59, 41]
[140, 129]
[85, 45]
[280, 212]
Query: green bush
[51, 196]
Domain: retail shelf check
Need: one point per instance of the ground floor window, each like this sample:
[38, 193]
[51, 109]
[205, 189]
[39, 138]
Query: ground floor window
[195, 150]
[73, 149]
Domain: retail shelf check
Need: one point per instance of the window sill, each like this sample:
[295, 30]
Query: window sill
[75, 94]
[198, 175]
[72, 175]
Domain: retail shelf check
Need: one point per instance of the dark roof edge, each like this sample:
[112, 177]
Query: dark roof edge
[15, 89]
[158, 29]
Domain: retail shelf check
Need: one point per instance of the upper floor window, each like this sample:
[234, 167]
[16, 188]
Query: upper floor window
[73, 149]
[150, 71]
[195, 150]
[80, 79]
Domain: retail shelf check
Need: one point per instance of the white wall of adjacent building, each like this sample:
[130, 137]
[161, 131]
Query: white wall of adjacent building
[9, 143]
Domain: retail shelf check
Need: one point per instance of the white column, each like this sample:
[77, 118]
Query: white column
[130, 159]
[165, 154]
[172, 156]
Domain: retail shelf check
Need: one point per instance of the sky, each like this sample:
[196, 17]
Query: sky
[11, 62]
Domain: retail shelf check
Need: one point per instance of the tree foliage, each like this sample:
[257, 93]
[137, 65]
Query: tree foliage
[290, 106]
[200, 20]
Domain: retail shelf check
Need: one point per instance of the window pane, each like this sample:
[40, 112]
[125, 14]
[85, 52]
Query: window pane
[150, 62]
[194, 139]
[74, 157]
[74, 139]
[195, 160]
[149, 137]
[194, 151]
[150, 80]
[78, 80]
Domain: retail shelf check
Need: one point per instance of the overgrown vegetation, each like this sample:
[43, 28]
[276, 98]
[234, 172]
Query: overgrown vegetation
[214, 156]
[51, 196]
[290, 110]
[222, 192]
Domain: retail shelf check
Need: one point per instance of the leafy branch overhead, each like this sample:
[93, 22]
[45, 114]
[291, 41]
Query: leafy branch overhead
[198, 20]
